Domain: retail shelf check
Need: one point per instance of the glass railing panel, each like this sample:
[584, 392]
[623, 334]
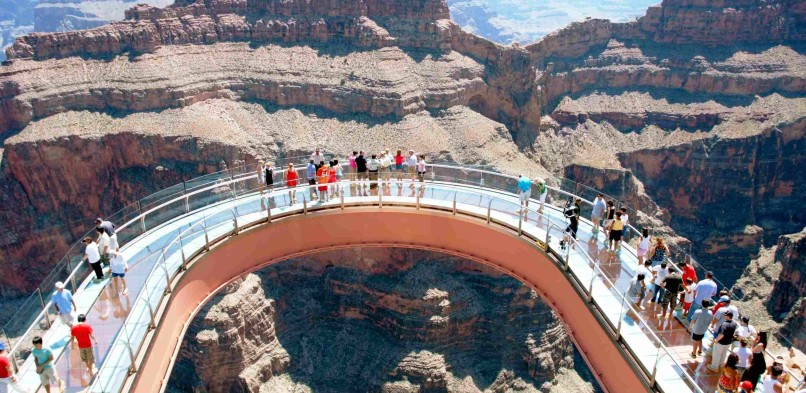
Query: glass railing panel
[165, 213]
[162, 196]
[205, 180]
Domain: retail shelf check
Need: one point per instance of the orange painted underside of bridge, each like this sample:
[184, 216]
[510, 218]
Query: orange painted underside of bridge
[470, 238]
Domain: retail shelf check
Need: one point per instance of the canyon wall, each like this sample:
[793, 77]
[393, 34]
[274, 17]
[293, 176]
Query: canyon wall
[388, 320]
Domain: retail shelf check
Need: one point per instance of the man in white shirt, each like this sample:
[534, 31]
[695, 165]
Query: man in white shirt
[599, 207]
[411, 162]
[317, 157]
[93, 256]
[746, 331]
[104, 246]
[719, 315]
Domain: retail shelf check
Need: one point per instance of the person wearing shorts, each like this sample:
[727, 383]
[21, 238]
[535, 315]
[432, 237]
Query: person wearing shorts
[7, 377]
[700, 321]
[672, 285]
[63, 302]
[421, 169]
[310, 174]
[82, 334]
[542, 192]
[119, 268]
[43, 359]
[616, 228]
[524, 191]
[411, 161]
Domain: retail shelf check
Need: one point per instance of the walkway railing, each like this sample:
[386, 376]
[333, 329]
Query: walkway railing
[239, 187]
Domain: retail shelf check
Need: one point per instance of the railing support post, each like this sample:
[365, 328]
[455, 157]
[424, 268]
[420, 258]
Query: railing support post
[206, 236]
[152, 324]
[590, 287]
[489, 210]
[187, 205]
[167, 276]
[418, 201]
[304, 205]
[520, 224]
[341, 199]
[268, 210]
[143, 223]
[182, 251]
[454, 202]
[567, 256]
[235, 229]
[133, 367]
[380, 197]
[42, 302]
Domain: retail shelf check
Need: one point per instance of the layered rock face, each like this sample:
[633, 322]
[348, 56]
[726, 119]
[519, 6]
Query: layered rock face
[773, 288]
[388, 320]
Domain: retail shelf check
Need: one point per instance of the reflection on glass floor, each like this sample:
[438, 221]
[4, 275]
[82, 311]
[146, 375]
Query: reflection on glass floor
[108, 313]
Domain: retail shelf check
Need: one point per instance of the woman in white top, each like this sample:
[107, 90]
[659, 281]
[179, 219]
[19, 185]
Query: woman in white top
[411, 161]
[260, 179]
[644, 241]
[421, 169]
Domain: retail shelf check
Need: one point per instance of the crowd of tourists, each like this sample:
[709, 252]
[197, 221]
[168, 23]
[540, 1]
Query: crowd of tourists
[736, 350]
[370, 170]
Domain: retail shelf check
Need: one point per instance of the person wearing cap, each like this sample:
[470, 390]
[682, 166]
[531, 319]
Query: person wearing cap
[62, 300]
[700, 319]
[724, 337]
[109, 228]
[7, 377]
[746, 331]
[719, 315]
[706, 289]
[93, 255]
[542, 192]
[82, 334]
[746, 387]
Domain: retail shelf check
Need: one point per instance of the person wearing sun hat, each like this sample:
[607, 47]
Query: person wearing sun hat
[7, 377]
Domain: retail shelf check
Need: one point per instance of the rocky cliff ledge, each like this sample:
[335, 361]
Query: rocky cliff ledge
[387, 320]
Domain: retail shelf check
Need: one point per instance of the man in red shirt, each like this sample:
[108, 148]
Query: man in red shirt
[7, 377]
[82, 333]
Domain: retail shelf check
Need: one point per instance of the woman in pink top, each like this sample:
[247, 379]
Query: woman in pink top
[399, 167]
[353, 166]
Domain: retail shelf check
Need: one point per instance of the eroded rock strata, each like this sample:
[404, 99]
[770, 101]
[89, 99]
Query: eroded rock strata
[694, 113]
[387, 320]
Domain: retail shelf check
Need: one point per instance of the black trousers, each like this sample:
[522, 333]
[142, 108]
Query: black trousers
[99, 272]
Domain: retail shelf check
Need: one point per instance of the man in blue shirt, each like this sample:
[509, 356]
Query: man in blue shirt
[524, 191]
[705, 289]
[64, 304]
